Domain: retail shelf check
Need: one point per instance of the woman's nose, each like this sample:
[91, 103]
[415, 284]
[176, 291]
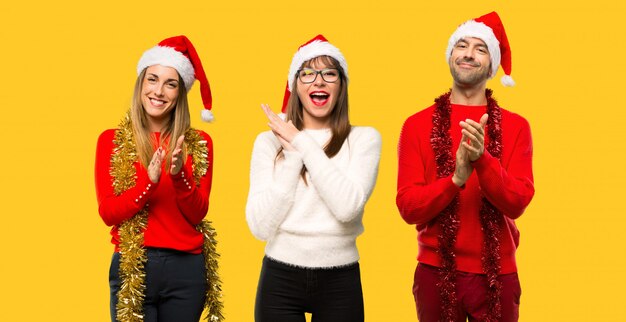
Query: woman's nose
[319, 80]
[158, 90]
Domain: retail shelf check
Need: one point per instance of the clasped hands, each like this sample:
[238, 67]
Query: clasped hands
[471, 148]
[154, 168]
[284, 131]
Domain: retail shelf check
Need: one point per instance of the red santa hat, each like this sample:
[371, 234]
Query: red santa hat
[178, 52]
[318, 46]
[488, 28]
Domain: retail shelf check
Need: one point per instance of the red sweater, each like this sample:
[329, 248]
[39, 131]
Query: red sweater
[507, 183]
[174, 207]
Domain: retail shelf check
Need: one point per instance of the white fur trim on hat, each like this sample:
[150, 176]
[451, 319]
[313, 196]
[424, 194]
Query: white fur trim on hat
[481, 31]
[169, 57]
[315, 49]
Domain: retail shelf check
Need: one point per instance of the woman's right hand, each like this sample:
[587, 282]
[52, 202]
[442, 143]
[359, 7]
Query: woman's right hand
[284, 131]
[154, 168]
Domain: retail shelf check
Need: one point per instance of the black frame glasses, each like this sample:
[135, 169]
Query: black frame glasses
[323, 72]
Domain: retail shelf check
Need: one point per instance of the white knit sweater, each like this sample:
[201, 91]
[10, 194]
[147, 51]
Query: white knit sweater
[312, 225]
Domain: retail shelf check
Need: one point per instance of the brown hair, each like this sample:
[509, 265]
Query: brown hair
[179, 124]
[339, 121]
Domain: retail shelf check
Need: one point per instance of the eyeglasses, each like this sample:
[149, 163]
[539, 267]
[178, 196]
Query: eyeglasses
[309, 75]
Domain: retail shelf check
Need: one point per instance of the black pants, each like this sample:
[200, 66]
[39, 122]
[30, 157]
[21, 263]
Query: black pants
[175, 286]
[286, 292]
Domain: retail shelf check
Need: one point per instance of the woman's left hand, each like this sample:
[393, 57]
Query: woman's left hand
[177, 160]
[284, 131]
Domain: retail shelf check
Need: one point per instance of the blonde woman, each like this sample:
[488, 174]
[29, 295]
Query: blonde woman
[153, 179]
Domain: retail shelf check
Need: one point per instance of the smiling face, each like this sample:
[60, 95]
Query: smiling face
[318, 98]
[470, 62]
[159, 93]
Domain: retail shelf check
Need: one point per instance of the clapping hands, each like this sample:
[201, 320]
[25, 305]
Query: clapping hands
[284, 131]
[471, 148]
[154, 168]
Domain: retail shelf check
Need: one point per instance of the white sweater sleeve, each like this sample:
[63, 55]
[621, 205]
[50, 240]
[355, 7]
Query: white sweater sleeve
[344, 192]
[272, 186]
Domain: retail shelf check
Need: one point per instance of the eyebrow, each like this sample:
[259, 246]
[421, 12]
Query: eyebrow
[167, 80]
[319, 70]
[467, 42]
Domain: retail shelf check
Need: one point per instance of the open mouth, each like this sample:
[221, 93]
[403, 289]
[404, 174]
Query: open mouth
[319, 98]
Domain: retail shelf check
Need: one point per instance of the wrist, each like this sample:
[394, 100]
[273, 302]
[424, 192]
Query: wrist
[153, 177]
[476, 159]
[458, 181]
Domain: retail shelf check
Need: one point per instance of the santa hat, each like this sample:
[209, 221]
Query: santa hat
[488, 28]
[178, 52]
[318, 46]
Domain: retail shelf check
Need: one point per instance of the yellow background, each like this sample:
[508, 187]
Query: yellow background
[68, 69]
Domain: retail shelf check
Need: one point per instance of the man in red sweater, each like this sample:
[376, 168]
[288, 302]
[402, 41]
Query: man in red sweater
[464, 176]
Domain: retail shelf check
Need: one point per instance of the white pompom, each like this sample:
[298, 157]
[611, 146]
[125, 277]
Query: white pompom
[507, 81]
[207, 115]
[282, 116]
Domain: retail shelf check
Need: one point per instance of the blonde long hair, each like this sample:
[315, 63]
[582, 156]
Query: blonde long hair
[179, 123]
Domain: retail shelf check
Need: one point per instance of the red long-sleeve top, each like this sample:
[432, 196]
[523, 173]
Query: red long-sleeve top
[175, 204]
[507, 183]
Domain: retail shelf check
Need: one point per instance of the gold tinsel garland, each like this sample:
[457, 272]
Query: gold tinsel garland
[132, 253]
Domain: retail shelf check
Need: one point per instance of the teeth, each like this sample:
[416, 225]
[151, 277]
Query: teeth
[319, 94]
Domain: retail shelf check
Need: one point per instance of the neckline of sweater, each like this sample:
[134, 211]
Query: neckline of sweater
[318, 131]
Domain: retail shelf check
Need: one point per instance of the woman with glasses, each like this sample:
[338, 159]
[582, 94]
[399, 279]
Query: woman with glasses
[310, 177]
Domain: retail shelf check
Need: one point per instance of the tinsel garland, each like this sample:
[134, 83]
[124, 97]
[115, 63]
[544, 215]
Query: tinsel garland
[490, 217]
[196, 146]
[132, 253]
[448, 219]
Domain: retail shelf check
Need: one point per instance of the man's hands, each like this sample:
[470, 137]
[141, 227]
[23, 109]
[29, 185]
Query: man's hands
[474, 137]
[470, 149]
[463, 168]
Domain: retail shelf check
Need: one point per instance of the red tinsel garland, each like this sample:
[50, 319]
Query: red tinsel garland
[490, 217]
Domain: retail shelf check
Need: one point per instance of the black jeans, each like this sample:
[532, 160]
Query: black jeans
[286, 292]
[175, 286]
